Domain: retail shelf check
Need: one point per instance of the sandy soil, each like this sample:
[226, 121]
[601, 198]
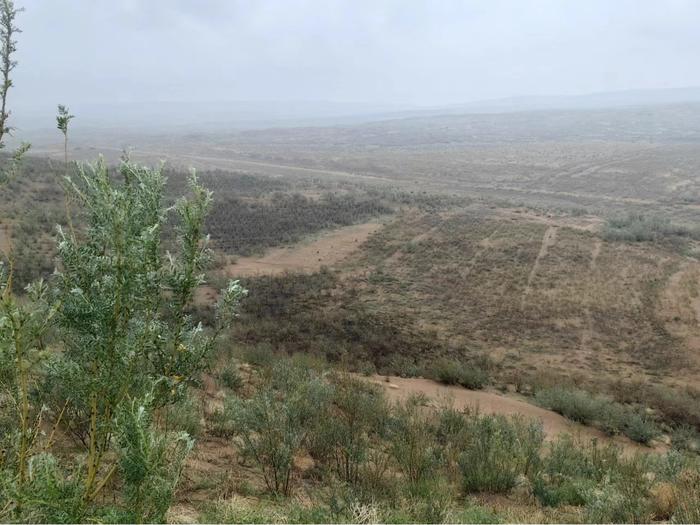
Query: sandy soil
[308, 256]
[399, 388]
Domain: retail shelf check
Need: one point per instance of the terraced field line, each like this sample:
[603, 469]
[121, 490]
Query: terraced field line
[587, 334]
[548, 240]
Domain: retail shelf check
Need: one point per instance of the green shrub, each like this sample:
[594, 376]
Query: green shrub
[688, 497]
[221, 423]
[610, 487]
[474, 378]
[355, 420]
[231, 378]
[606, 414]
[476, 514]
[636, 227]
[570, 469]
[686, 437]
[185, 416]
[412, 442]
[274, 424]
[240, 512]
[430, 501]
[576, 405]
[453, 372]
[404, 366]
[53, 494]
[639, 427]
[262, 355]
[497, 451]
[611, 503]
[149, 462]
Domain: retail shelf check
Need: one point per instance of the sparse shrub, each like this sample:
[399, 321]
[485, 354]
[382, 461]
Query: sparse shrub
[637, 227]
[639, 427]
[238, 510]
[624, 500]
[577, 405]
[231, 378]
[570, 469]
[453, 372]
[404, 366]
[686, 437]
[497, 451]
[150, 463]
[261, 354]
[606, 414]
[430, 501]
[476, 514]
[185, 416]
[356, 416]
[245, 226]
[274, 424]
[687, 497]
[221, 424]
[412, 442]
[474, 378]
[610, 487]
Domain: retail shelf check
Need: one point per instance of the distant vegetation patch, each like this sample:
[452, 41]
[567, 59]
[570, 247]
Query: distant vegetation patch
[244, 226]
[637, 227]
[298, 313]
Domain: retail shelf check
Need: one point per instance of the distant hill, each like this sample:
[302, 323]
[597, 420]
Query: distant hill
[603, 100]
[665, 105]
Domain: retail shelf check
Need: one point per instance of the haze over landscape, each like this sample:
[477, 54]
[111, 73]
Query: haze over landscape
[238, 63]
[350, 261]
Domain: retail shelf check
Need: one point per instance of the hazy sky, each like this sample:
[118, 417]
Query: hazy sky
[430, 52]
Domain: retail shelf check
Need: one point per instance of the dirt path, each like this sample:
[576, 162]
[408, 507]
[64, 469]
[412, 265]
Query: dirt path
[308, 256]
[233, 163]
[485, 244]
[399, 388]
[548, 240]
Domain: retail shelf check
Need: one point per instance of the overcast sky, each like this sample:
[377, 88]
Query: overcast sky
[415, 52]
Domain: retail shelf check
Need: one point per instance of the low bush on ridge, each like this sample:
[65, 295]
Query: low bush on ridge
[608, 415]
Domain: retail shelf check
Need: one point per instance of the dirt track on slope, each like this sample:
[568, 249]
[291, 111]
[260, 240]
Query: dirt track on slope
[548, 240]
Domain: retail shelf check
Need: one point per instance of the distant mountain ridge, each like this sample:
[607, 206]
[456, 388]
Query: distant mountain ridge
[193, 116]
[600, 100]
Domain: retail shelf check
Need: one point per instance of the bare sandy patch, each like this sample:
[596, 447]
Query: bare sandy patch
[327, 249]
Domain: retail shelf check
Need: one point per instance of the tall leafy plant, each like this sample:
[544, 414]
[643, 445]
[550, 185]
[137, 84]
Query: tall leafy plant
[122, 341]
[123, 315]
[8, 46]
